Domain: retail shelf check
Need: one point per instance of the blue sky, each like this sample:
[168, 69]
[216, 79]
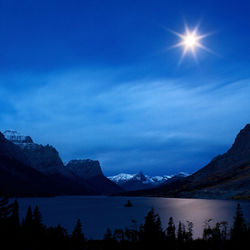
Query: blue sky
[96, 80]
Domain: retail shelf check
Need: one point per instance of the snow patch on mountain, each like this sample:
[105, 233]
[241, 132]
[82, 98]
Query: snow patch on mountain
[16, 137]
[122, 177]
[23, 141]
[141, 181]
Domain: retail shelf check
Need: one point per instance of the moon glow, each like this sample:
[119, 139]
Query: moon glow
[190, 41]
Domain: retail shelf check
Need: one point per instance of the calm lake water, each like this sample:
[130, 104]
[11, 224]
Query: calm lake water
[97, 213]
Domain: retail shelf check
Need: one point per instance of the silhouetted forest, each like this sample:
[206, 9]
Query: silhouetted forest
[32, 234]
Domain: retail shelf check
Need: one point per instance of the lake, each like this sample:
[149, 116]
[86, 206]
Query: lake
[98, 213]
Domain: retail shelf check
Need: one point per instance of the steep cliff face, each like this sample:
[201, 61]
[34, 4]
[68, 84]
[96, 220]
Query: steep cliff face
[27, 168]
[45, 159]
[227, 175]
[242, 142]
[90, 171]
[17, 178]
[10, 150]
[230, 162]
[85, 169]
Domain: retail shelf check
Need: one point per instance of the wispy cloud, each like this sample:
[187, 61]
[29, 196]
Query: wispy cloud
[161, 126]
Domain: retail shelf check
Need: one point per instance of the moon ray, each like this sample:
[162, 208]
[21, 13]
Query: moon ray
[206, 49]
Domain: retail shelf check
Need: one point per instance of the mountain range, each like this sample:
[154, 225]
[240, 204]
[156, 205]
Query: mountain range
[30, 169]
[27, 168]
[227, 176]
[139, 181]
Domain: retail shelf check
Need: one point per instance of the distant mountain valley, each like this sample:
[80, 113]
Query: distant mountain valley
[227, 176]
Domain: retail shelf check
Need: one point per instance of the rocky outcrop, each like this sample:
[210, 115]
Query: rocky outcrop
[90, 171]
[27, 168]
[10, 150]
[18, 178]
[45, 159]
[227, 175]
[16, 137]
[238, 155]
[242, 142]
[85, 169]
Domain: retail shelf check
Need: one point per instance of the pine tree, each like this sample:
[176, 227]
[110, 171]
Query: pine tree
[37, 217]
[181, 232]
[224, 230]
[37, 227]
[7, 232]
[28, 221]
[171, 230]
[152, 229]
[189, 233]
[14, 218]
[5, 208]
[108, 235]
[57, 238]
[239, 229]
[207, 231]
[78, 236]
[119, 234]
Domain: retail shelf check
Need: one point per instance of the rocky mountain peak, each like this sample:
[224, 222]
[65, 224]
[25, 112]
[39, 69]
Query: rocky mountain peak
[85, 168]
[142, 181]
[242, 141]
[140, 177]
[10, 150]
[16, 137]
[42, 158]
[29, 168]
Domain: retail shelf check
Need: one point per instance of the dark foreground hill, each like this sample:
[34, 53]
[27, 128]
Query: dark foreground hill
[227, 176]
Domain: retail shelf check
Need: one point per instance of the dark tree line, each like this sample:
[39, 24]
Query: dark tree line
[32, 234]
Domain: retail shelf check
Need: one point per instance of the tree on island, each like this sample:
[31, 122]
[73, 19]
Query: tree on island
[128, 204]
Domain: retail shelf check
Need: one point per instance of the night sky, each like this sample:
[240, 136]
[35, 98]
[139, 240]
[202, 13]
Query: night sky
[97, 79]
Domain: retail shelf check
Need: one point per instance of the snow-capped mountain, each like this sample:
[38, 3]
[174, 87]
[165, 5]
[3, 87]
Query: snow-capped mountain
[17, 138]
[140, 181]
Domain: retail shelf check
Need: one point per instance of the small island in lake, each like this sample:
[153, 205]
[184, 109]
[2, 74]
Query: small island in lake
[128, 204]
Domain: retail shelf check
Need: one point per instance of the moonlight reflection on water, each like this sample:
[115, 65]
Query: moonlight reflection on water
[97, 213]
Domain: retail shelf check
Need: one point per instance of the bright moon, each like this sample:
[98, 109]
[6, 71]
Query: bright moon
[190, 41]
